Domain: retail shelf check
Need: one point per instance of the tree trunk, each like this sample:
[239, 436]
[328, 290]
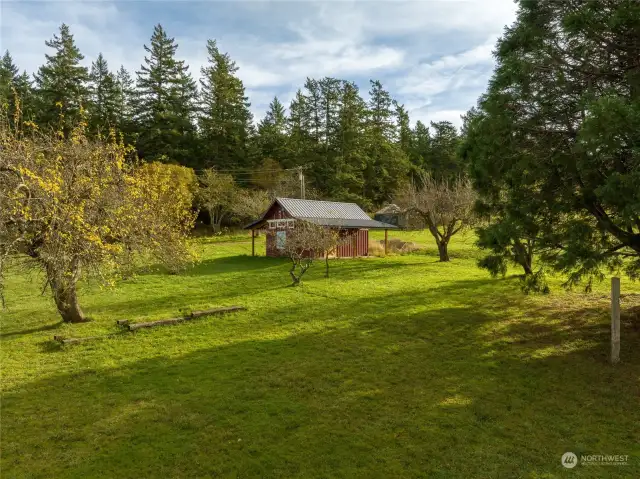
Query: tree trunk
[295, 279]
[442, 240]
[66, 299]
[524, 257]
[303, 267]
[443, 251]
[216, 221]
[326, 262]
[526, 265]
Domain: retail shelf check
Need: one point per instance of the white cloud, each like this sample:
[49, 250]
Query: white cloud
[448, 72]
[277, 45]
[426, 116]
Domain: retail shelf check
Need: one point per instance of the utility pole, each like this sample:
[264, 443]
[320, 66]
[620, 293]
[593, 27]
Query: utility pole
[302, 185]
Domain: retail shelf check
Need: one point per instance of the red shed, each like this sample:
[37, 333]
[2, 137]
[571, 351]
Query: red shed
[348, 218]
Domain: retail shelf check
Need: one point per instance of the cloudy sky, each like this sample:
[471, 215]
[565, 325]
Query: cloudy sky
[432, 55]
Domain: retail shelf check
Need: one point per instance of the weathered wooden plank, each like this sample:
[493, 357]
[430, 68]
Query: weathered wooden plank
[126, 323]
[63, 340]
[194, 314]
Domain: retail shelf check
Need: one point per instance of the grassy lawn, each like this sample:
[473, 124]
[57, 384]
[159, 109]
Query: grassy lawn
[392, 367]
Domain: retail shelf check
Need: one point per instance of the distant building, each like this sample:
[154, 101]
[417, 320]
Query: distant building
[348, 218]
[393, 215]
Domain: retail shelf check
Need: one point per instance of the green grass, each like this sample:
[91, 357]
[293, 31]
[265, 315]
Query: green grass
[392, 367]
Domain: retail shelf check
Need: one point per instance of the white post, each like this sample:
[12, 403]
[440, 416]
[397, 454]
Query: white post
[615, 320]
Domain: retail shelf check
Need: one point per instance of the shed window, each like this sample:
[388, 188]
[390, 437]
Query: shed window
[281, 239]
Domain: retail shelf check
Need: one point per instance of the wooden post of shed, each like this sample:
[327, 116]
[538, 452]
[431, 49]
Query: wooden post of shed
[354, 243]
[253, 242]
[615, 320]
[386, 240]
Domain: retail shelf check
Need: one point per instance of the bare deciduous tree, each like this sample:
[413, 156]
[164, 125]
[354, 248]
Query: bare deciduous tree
[306, 242]
[446, 207]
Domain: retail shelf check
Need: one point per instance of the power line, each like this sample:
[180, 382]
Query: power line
[250, 170]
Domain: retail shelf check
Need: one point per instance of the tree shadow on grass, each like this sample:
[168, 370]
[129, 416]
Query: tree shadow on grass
[48, 327]
[397, 395]
[224, 264]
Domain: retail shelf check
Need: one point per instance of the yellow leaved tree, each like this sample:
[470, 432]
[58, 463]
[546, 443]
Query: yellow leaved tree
[75, 207]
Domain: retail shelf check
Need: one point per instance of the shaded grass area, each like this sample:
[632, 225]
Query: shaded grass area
[391, 367]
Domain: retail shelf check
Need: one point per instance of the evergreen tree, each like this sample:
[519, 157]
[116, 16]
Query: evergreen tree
[347, 182]
[24, 89]
[556, 136]
[381, 112]
[225, 120]
[8, 74]
[272, 134]
[443, 161]
[61, 83]
[298, 131]
[330, 92]
[12, 84]
[125, 103]
[405, 135]
[420, 149]
[325, 97]
[313, 110]
[105, 97]
[388, 164]
[164, 107]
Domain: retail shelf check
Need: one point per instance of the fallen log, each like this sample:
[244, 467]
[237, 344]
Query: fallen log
[192, 315]
[62, 340]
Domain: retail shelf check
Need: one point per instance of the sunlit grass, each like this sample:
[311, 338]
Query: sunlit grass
[392, 367]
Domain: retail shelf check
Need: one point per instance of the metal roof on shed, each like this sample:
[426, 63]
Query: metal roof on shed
[326, 213]
[322, 209]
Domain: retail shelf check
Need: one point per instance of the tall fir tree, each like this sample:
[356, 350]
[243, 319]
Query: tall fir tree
[330, 97]
[62, 83]
[105, 97]
[125, 108]
[298, 130]
[388, 164]
[405, 135]
[272, 134]
[13, 84]
[329, 93]
[164, 106]
[225, 119]
[382, 115]
[313, 108]
[443, 162]
[420, 149]
[8, 74]
[351, 157]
